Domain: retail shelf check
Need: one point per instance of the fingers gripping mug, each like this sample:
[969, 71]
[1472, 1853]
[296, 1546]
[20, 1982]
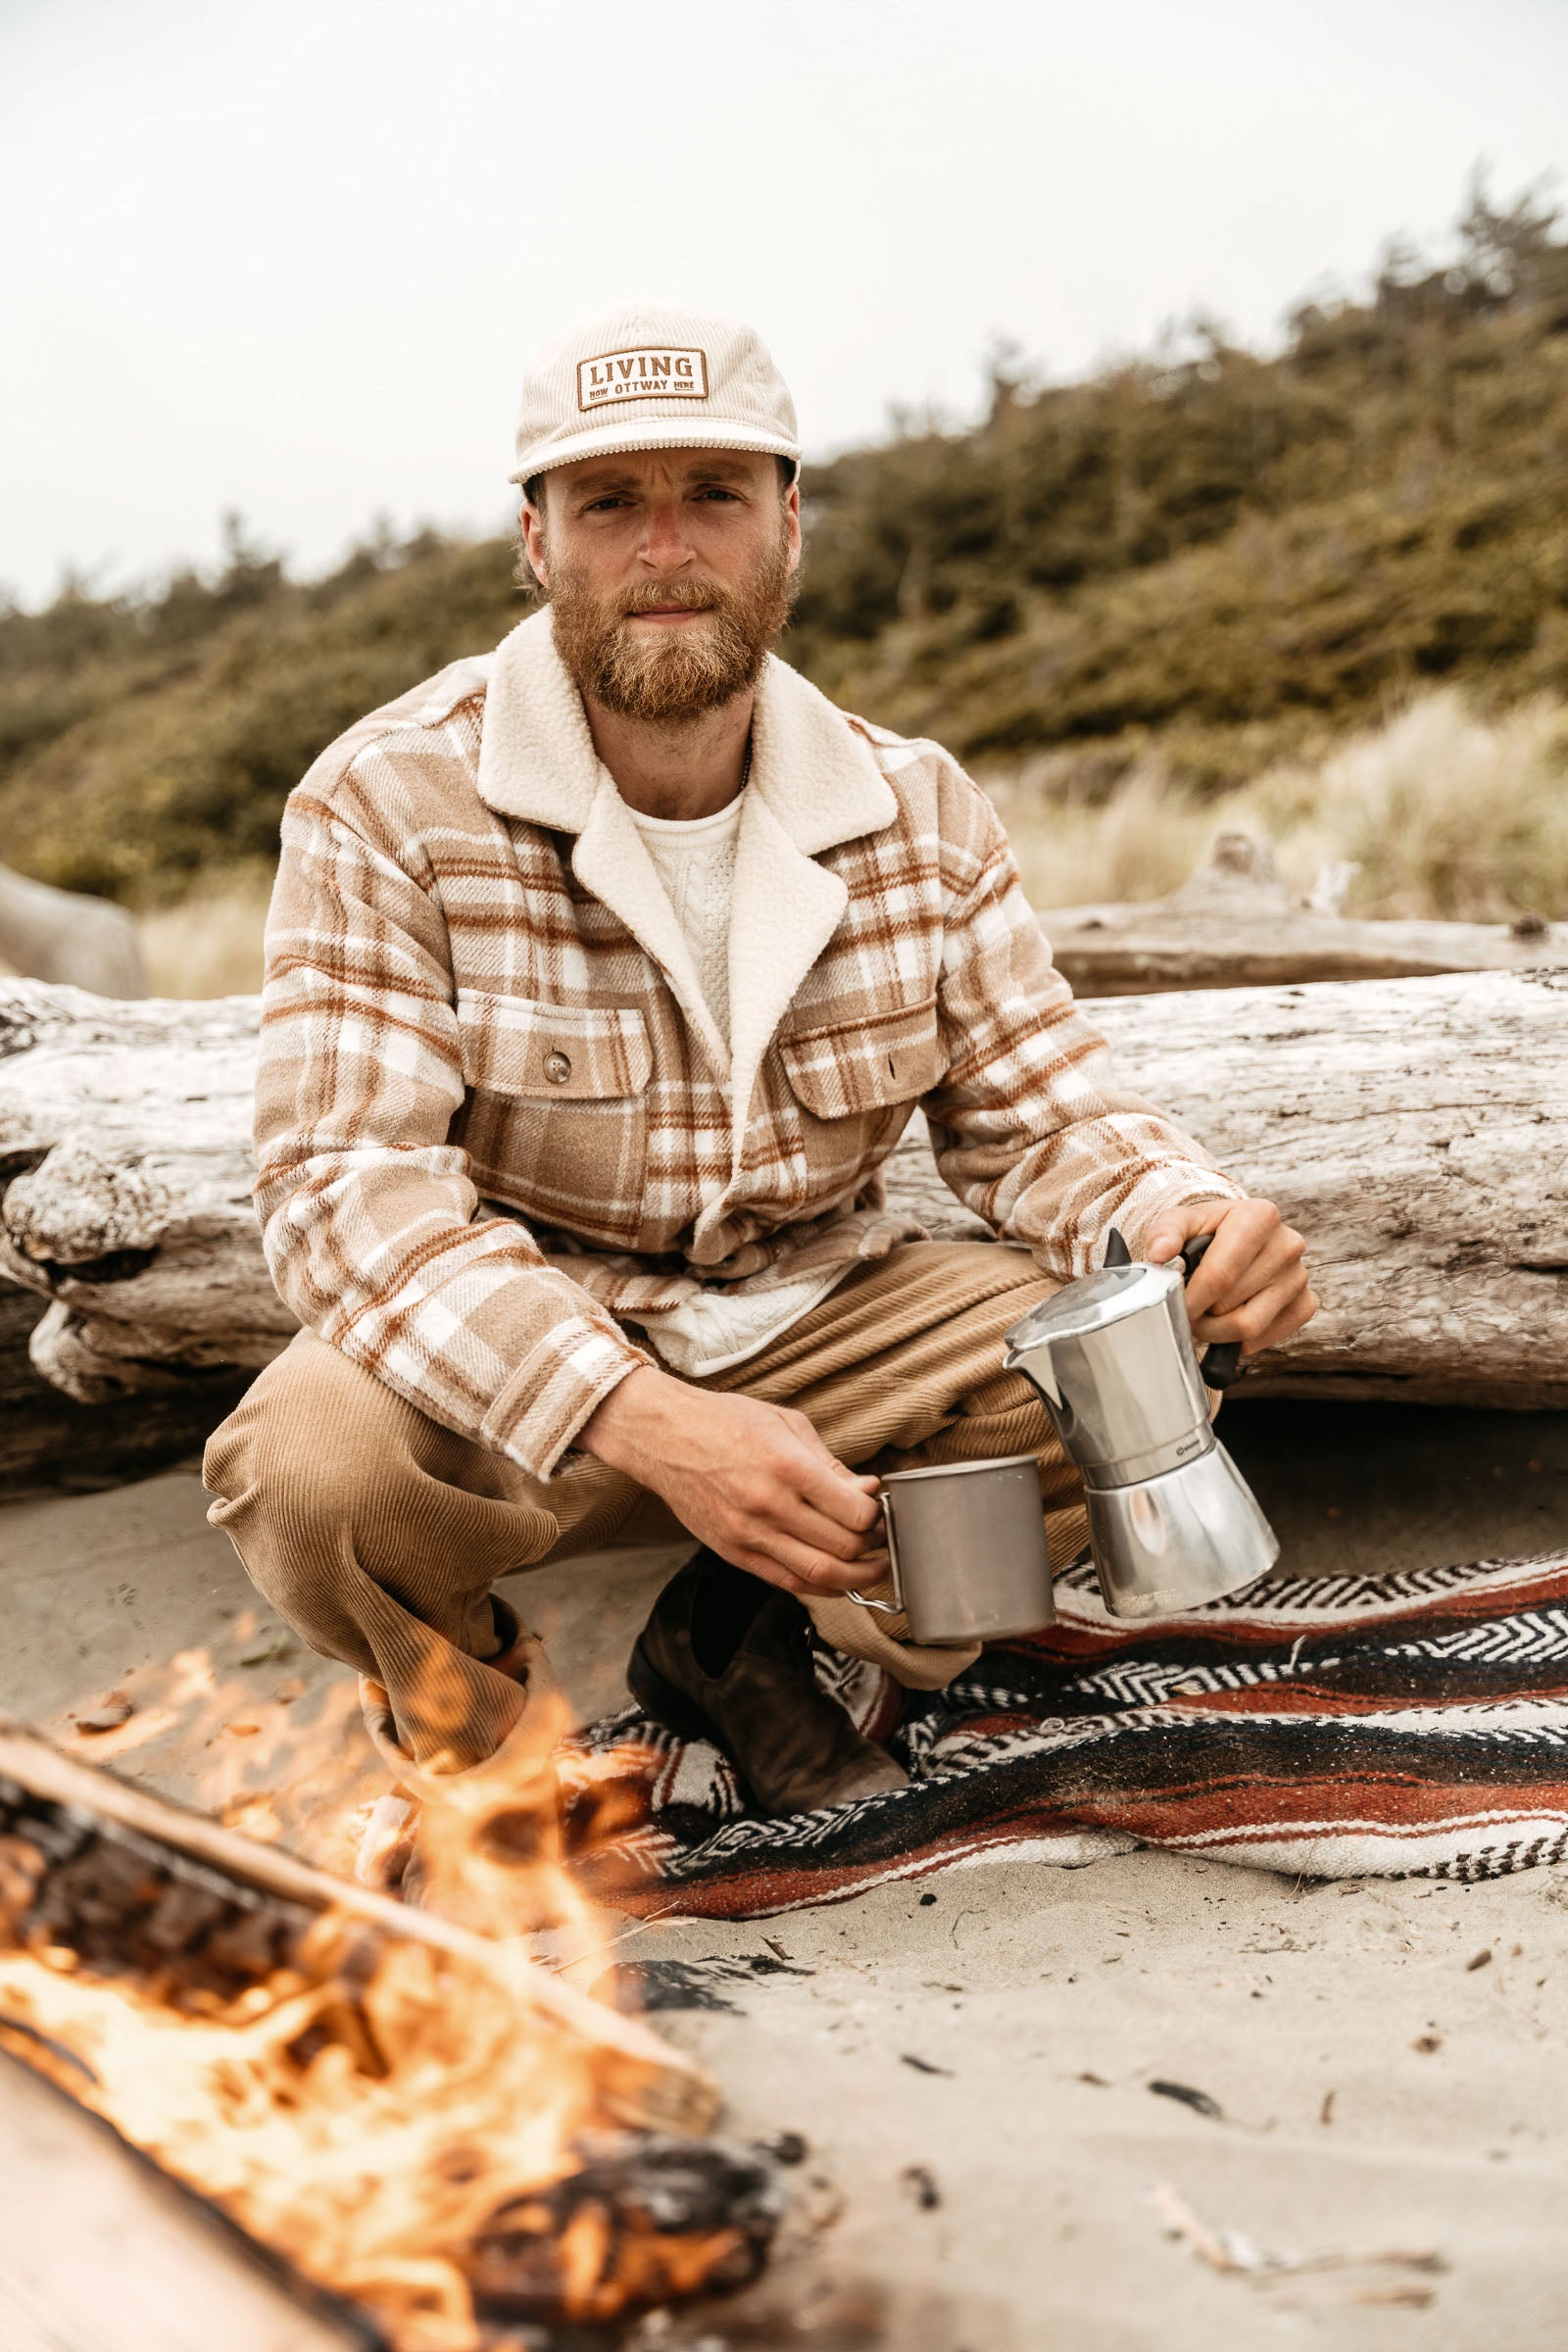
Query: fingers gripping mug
[967, 1546]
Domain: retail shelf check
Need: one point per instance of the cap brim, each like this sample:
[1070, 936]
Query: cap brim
[653, 432]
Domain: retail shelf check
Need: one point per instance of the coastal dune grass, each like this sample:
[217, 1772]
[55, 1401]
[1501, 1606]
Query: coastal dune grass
[208, 945]
[1446, 814]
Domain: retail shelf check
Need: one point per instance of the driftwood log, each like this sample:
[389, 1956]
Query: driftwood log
[1234, 925]
[47, 1440]
[66, 935]
[1416, 1130]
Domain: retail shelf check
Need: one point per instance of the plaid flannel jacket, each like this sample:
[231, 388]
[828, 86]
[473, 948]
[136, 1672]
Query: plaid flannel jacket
[494, 1114]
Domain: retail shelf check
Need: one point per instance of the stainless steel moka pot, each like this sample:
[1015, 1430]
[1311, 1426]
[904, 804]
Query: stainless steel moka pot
[1171, 1521]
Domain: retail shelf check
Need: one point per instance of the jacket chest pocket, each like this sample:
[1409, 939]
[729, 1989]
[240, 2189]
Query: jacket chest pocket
[867, 1070]
[555, 1119]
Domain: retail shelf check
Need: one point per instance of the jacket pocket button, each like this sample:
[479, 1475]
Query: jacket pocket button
[558, 1068]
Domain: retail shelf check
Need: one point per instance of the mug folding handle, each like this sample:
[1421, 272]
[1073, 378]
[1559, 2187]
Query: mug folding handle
[894, 1606]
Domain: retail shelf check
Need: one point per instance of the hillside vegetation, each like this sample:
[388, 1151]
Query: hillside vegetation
[1171, 578]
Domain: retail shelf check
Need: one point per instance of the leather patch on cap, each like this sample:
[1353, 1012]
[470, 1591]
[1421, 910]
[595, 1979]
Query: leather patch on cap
[645, 372]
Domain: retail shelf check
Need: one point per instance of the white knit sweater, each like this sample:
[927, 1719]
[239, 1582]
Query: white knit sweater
[695, 858]
[696, 862]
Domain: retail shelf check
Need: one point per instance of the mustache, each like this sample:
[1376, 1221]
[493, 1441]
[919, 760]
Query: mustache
[665, 676]
[687, 596]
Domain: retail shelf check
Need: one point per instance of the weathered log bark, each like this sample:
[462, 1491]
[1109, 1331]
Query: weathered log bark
[1234, 926]
[48, 1440]
[1416, 1130]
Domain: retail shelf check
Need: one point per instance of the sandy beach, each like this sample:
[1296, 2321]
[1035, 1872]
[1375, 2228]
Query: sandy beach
[1363, 2133]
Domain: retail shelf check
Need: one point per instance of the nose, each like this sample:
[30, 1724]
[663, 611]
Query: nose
[666, 547]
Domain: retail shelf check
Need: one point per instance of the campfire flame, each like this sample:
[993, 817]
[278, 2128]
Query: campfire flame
[373, 2168]
[388, 2109]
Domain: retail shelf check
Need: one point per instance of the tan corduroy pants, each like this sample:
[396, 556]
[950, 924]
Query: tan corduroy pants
[377, 1534]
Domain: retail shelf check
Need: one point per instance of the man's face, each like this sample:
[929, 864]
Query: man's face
[668, 573]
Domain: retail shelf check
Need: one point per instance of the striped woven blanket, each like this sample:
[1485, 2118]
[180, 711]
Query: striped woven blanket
[1332, 1727]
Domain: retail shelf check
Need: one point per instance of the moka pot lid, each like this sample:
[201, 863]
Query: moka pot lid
[1094, 1301]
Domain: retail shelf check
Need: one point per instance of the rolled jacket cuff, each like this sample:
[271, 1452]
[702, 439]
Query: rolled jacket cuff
[1143, 1208]
[537, 1414]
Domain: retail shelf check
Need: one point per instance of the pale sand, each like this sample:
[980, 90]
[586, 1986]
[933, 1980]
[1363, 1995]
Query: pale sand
[1050, 1998]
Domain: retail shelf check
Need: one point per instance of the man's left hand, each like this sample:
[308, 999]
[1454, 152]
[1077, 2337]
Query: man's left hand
[1252, 1283]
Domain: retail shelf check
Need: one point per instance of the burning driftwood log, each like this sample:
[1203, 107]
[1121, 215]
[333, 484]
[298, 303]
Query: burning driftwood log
[1416, 1130]
[424, 2123]
[127, 1879]
[1234, 925]
[101, 2252]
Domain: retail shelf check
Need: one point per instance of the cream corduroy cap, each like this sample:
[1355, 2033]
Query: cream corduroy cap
[653, 375]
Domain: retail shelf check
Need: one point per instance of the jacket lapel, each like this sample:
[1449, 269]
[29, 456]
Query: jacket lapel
[815, 783]
[537, 761]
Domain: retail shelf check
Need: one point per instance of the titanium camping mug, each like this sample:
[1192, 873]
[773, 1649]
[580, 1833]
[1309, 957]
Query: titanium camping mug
[967, 1546]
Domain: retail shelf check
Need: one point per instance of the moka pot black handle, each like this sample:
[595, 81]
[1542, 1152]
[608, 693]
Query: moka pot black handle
[1221, 1363]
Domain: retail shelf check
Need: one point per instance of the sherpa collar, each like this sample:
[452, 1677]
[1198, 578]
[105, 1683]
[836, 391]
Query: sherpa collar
[815, 772]
[815, 783]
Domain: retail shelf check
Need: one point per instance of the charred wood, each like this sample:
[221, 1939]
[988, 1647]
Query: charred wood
[134, 1886]
[639, 2214]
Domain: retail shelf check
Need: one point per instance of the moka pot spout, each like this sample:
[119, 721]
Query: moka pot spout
[1036, 1366]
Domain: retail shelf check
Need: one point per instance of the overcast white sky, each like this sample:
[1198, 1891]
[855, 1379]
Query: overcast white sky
[289, 256]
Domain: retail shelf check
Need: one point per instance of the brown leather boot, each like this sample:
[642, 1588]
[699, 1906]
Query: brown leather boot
[726, 1657]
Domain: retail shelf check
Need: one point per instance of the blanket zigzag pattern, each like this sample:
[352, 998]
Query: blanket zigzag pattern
[1339, 1726]
[1536, 1634]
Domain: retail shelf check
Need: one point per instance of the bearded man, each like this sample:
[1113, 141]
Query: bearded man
[604, 973]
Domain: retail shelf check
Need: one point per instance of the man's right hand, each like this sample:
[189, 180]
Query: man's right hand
[754, 1482]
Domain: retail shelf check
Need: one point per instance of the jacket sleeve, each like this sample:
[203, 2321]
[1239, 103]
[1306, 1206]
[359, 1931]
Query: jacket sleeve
[1030, 1126]
[369, 1217]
